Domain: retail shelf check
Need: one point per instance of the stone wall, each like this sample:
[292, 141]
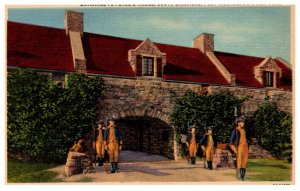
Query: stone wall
[150, 98]
[141, 97]
[78, 163]
[255, 97]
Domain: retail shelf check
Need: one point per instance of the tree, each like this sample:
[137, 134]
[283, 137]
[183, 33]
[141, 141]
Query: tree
[274, 130]
[216, 110]
[43, 119]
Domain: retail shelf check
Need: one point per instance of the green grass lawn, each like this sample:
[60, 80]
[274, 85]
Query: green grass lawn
[269, 170]
[33, 172]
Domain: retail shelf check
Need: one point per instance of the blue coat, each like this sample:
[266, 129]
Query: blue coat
[235, 138]
[117, 134]
[204, 140]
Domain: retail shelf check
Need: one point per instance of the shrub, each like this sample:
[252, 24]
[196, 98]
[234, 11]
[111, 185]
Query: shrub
[43, 119]
[273, 130]
[216, 110]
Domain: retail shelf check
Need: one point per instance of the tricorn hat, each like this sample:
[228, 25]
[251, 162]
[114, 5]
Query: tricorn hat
[110, 118]
[209, 128]
[100, 122]
[192, 126]
[240, 119]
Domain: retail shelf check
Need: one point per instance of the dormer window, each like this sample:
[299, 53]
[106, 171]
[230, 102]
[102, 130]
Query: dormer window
[269, 79]
[148, 66]
[267, 73]
[147, 60]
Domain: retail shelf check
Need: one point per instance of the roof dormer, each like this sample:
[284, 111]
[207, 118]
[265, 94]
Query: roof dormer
[268, 73]
[147, 60]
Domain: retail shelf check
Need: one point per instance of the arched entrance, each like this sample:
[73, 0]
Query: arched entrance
[147, 134]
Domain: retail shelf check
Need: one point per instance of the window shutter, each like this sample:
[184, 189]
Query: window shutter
[139, 65]
[159, 67]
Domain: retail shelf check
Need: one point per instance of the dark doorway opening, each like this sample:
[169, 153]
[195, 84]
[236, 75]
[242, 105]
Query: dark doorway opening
[146, 134]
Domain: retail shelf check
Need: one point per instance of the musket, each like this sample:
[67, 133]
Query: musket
[106, 160]
[204, 154]
[188, 156]
[94, 143]
[236, 114]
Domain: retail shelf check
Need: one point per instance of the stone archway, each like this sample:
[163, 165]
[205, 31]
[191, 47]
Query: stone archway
[147, 134]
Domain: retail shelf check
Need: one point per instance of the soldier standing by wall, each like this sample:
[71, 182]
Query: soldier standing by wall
[192, 144]
[207, 145]
[100, 142]
[239, 145]
[113, 143]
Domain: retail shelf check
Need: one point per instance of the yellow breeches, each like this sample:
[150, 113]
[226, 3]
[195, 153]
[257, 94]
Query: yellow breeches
[100, 149]
[193, 150]
[113, 151]
[209, 153]
[242, 156]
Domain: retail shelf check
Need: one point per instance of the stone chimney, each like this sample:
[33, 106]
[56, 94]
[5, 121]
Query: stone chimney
[74, 29]
[204, 42]
[73, 22]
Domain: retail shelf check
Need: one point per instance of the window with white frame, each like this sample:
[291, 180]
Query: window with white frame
[148, 66]
[269, 79]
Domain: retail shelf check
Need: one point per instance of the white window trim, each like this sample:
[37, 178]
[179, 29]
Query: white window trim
[154, 65]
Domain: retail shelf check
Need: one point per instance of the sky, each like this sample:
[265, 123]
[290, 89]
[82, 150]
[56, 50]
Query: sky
[257, 31]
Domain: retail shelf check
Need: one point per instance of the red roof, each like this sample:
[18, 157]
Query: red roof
[189, 64]
[38, 47]
[49, 48]
[109, 55]
[241, 66]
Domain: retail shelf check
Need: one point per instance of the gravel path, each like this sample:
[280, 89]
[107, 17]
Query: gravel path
[137, 167]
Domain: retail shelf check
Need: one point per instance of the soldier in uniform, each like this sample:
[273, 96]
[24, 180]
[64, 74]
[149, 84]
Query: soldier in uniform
[192, 144]
[100, 142]
[113, 143]
[239, 145]
[80, 146]
[207, 145]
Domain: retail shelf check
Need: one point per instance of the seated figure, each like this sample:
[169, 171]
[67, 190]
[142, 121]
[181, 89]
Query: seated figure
[80, 146]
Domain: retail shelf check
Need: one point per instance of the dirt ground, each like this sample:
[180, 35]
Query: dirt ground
[137, 167]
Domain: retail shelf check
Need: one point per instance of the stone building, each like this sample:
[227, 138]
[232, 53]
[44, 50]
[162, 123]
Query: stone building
[141, 76]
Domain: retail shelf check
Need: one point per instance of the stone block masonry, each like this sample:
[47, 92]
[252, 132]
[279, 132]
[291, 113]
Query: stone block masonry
[78, 163]
[148, 97]
[152, 98]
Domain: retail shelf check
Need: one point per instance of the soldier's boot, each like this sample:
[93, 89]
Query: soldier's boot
[96, 161]
[116, 167]
[112, 169]
[244, 173]
[100, 161]
[240, 174]
[194, 160]
[210, 167]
